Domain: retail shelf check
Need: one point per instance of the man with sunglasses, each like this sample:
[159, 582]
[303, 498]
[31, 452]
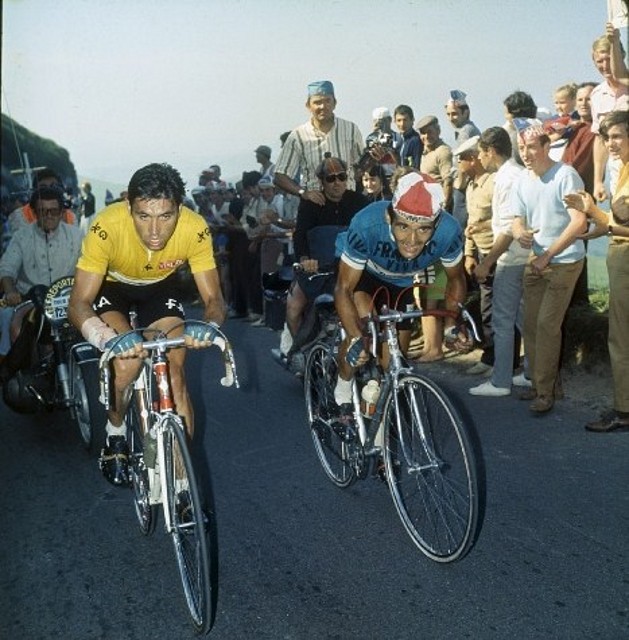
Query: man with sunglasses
[314, 242]
[389, 247]
[27, 215]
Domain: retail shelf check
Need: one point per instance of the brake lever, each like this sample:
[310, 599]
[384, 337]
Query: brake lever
[465, 314]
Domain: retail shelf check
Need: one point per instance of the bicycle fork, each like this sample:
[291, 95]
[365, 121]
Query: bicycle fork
[414, 465]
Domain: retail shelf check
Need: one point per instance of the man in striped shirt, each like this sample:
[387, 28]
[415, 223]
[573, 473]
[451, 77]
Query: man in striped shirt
[306, 145]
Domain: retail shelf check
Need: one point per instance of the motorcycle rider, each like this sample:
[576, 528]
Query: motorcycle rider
[38, 254]
[314, 240]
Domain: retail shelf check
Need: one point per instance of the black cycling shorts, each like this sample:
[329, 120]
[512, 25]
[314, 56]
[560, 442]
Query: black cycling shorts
[151, 302]
[387, 294]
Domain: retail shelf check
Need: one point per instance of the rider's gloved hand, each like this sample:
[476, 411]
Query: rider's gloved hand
[457, 340]
[204, 332]
[356, 352]
[122, 344]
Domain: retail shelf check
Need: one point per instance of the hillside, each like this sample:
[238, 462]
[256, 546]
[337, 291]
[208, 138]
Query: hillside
[42, 152]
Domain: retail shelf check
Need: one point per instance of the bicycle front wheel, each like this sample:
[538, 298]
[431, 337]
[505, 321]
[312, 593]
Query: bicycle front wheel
[431, 469]
[329, 442]
[193, 530]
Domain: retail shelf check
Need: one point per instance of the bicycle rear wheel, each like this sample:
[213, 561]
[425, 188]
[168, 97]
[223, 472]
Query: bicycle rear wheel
[193, 531]
[431, 469]
[145, 512]
[330, 445]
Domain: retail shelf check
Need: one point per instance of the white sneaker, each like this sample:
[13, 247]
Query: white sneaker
[522, 381]
[479, 368]
[488, 389]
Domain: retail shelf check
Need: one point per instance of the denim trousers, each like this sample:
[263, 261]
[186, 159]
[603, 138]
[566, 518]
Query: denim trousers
[546, 299]
[618, 341]
[507, 314]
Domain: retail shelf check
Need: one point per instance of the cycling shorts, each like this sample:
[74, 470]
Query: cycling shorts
[398, 298]
[151, 302]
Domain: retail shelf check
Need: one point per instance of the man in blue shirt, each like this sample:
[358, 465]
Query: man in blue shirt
[388, 249]
[408, 145]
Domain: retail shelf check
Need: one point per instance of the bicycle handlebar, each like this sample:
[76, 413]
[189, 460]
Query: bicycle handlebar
[297, 268]
[163, 343]
[391, 315]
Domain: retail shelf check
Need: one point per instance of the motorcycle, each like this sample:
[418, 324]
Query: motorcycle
[50, 366]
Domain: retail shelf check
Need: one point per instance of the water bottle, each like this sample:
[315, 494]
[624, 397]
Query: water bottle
[369, 397]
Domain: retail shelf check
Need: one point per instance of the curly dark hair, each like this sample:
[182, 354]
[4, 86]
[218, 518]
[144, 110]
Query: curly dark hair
[156, 181]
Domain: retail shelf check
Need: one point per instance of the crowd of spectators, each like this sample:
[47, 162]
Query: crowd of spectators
[253, 221]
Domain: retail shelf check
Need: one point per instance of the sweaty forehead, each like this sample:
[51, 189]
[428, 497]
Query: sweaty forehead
[155, 207]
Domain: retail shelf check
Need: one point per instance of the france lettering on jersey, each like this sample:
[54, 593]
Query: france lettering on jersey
[369, 244]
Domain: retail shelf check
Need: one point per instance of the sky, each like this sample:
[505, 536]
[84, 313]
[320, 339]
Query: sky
[122, 83]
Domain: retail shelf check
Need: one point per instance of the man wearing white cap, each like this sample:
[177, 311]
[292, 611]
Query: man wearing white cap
[389, 247]
[551, 230]
[306, 145]
[382, 119]
[458, 113]
[385, 137]
[478, 237]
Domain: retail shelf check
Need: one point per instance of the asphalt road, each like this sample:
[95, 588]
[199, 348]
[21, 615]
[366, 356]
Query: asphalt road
[301, 559]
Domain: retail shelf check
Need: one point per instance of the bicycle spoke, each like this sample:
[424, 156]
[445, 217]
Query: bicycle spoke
[192, 531]
[329, 443]
[431, 470]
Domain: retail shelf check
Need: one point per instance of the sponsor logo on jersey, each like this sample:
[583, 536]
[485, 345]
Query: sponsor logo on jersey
[96, 229]
[170, 264]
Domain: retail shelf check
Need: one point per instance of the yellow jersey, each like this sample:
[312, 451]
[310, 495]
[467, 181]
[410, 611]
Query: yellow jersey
[112, 248]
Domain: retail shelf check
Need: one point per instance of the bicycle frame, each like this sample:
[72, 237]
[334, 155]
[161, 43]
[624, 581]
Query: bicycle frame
[383, 329]
[165, 474]
[416, 433]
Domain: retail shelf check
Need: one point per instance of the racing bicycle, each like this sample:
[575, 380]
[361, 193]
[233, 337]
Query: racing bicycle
[161, 470]
[412, 435]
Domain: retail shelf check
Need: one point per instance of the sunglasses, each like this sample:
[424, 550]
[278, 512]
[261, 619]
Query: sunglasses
[341, 177]
[49, 213]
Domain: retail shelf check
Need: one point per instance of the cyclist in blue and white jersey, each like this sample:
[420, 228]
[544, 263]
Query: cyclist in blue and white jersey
[388, 248]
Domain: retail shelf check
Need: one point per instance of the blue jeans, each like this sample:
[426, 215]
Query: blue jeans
[507, 313]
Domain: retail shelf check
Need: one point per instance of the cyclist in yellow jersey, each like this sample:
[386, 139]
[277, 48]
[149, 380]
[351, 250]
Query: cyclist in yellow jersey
[128, 259]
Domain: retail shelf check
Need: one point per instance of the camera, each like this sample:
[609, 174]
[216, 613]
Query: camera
[382, 139]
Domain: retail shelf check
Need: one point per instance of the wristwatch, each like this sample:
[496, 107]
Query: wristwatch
[301, 192]
[610, 231]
